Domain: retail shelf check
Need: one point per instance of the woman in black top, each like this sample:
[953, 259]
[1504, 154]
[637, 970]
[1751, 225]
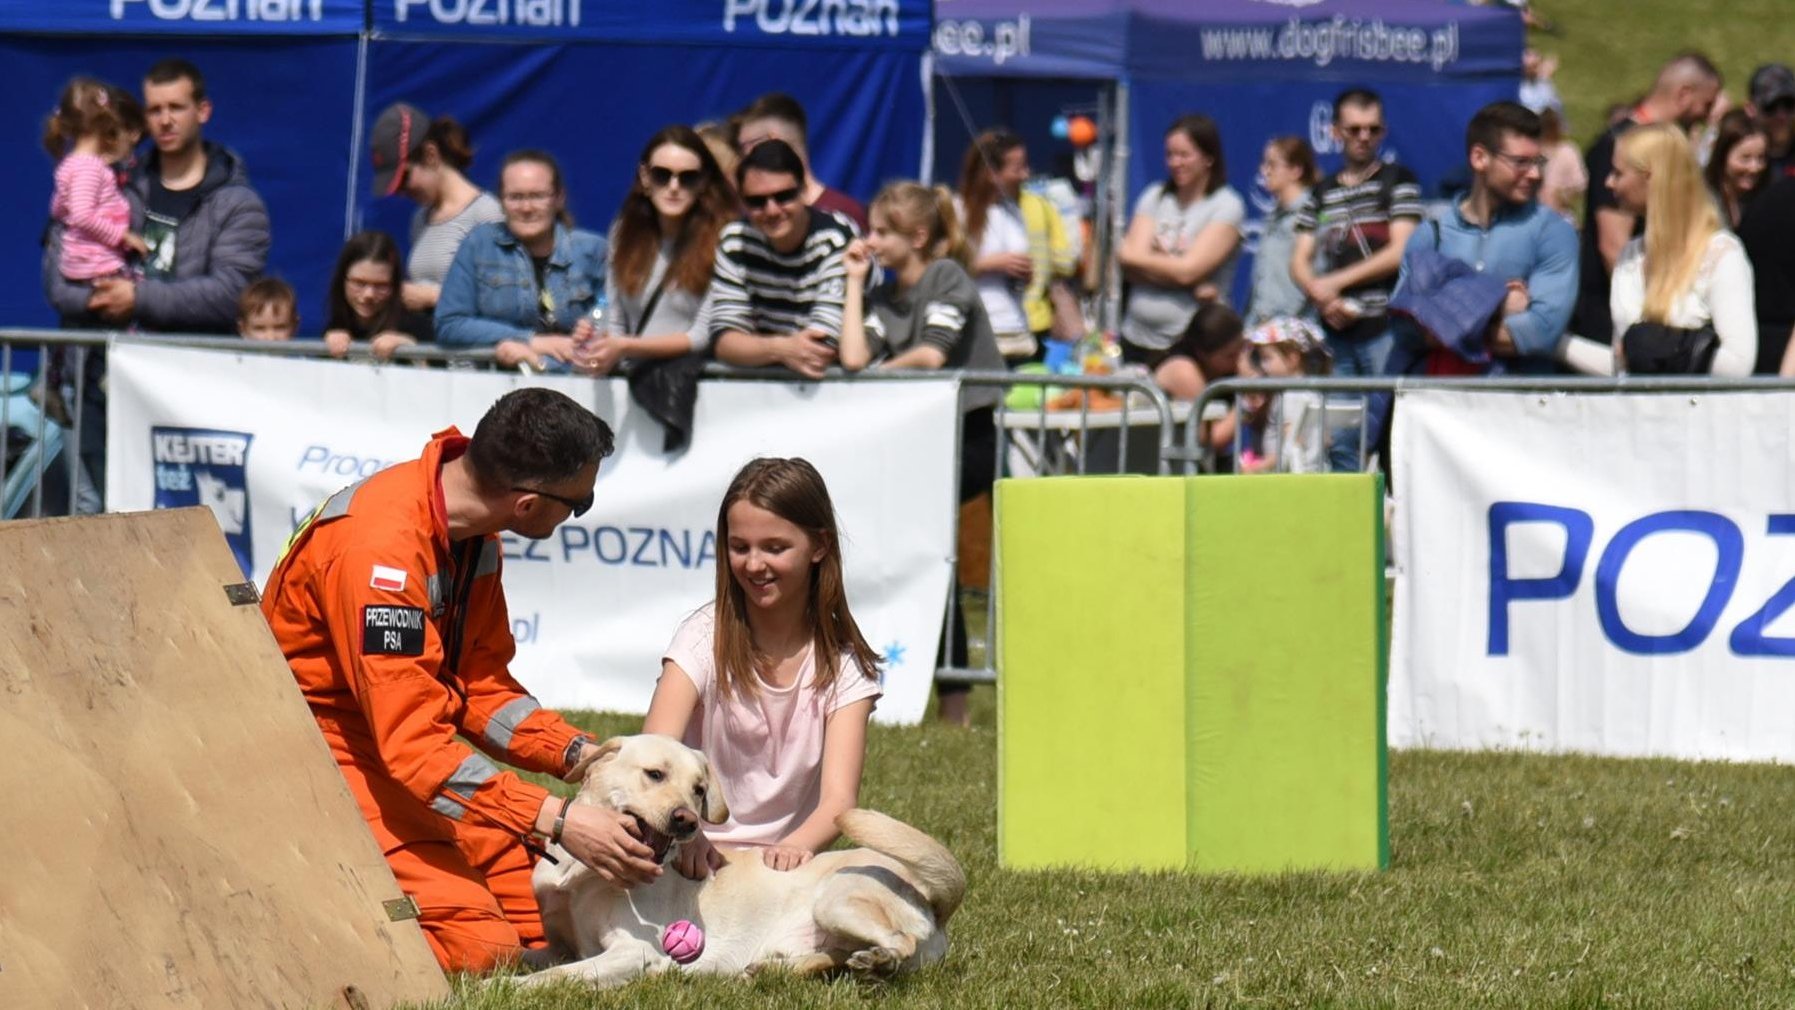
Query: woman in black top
[364, 304]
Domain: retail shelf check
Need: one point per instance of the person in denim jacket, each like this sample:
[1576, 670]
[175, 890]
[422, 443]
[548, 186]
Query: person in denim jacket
[524, 286]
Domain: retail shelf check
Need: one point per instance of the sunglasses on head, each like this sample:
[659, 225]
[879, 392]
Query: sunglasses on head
[579, 506]
[661, 178]
[760, 200]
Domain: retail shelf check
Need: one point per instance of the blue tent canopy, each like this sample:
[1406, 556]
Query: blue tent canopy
[295, 84]
[1260, 68]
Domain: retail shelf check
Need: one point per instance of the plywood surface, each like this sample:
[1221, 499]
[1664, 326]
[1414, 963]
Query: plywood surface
[176, 833]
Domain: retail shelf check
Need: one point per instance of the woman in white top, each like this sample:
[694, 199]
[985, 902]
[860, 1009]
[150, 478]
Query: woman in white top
[1686, 271]
[1182, 245]
[663, 245]
[1019, 244]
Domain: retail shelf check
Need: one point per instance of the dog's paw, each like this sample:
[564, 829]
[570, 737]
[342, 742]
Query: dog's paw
[879, 961]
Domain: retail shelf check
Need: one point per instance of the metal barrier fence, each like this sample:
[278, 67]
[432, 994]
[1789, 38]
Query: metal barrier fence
[1342, 399]
[1043, 425]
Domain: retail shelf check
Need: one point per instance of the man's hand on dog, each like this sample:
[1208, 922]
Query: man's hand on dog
[785, 857]
[605, 840]
[698, 858]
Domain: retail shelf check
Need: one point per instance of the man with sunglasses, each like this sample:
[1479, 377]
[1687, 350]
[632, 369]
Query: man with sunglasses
[1357, 219]
[1501, 230]
[388, 608]
[781, 281]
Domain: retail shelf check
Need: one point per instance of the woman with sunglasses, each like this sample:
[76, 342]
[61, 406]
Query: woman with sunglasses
[663, 245]
[779, 283]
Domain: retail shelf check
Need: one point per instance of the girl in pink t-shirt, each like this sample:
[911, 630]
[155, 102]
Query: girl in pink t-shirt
[94, 125]
[773, 680]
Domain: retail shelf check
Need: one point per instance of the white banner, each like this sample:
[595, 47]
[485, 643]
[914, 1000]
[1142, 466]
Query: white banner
[263, 439]
[1600, 573]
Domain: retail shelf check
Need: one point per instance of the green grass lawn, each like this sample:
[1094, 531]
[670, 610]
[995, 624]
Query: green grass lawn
[1517, 881]
[1611, 49]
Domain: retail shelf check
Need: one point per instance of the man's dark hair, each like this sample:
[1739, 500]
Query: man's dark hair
[1356, 96]
[174, 69]
[535, 436]
[777, 105]
[772, 156]
[1498, 118]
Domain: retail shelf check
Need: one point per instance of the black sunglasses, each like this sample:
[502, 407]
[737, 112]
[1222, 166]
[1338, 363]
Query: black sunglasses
[760, 201]
[580, 506]
[660, 177]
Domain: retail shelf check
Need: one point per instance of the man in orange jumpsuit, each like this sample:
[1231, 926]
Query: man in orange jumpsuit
[388, 607]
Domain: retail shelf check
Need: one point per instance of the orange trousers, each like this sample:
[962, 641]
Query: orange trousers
[474, 897]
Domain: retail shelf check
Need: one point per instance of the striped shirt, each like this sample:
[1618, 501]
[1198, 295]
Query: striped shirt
[94, 215]
[433, 246]
[1352, 223]
[758, 289]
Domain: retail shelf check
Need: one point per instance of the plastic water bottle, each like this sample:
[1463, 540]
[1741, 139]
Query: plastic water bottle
[599, 305]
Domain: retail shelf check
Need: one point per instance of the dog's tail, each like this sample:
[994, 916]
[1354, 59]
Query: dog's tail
[938, 873]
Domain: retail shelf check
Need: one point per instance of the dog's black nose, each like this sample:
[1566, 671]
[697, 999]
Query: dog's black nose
[683, 822]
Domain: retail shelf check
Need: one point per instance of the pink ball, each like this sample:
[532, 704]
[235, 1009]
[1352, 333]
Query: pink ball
[683, 941]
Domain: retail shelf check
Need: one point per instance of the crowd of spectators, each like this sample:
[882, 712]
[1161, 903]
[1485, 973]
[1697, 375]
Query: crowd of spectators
[729, 247]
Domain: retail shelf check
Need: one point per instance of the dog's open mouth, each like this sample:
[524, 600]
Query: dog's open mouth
[656, 840]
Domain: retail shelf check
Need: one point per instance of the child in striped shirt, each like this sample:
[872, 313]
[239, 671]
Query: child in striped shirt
[94, 125]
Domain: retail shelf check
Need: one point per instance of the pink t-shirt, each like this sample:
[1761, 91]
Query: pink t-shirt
[94, 214]
[766, 751]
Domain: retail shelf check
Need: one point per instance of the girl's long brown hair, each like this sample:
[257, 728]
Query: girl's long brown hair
[636, 237]
[978, 177]
[792, 490]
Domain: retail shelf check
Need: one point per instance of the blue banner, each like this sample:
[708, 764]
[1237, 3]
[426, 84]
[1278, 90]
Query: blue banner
[1227, 41]
[860, 24]
[184, 17]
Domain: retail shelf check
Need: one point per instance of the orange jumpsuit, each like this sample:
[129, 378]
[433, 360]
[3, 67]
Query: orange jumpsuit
[400, 642]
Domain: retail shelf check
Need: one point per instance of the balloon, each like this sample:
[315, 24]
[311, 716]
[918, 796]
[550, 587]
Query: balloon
[1059, 127]
[1081, 131]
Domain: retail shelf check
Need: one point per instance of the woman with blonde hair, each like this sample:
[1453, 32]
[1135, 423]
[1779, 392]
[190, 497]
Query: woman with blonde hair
[928, 314]
[1682, 296]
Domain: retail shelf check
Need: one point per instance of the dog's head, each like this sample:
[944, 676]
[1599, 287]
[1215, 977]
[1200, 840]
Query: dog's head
[665, 785]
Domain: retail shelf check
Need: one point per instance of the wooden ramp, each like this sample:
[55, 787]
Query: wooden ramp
[176, 833]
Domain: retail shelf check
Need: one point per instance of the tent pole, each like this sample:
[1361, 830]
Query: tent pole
[926, 172]
[350, 214]
[1118, 207]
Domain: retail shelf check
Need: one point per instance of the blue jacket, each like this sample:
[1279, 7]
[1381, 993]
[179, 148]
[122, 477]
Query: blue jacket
[1528, 243]
[490, 292]
[1449, 300]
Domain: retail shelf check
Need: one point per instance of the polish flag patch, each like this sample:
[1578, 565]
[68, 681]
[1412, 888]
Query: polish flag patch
[390, 579]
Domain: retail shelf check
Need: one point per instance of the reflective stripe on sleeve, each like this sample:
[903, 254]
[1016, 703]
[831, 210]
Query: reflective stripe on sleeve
[505, 721]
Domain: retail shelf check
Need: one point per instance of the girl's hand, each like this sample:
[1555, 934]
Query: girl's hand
[858, 260]
[599, 355]
[785, 857]
[136, 244]
[698, 858]
[385, 344]
[337, 341]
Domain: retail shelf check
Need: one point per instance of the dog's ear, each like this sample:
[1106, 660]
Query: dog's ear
[716, 811]
[591, 756]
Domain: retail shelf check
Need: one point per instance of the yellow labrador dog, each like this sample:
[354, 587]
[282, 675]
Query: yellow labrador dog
[876, 910]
